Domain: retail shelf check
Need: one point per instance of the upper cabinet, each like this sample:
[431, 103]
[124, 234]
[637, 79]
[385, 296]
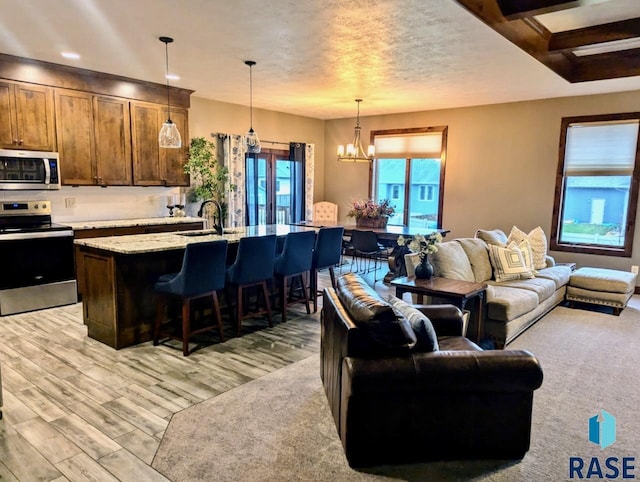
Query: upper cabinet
[103, 139]
[94, 139]
[153, 166]
[26, 116]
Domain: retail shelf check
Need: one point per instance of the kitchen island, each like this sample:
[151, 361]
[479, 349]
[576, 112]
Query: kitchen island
[119, 272]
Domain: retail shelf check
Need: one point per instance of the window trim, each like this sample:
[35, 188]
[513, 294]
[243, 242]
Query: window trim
[443, 161]
[554, 243]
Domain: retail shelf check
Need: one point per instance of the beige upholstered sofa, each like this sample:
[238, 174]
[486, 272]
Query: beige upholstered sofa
[512, 306]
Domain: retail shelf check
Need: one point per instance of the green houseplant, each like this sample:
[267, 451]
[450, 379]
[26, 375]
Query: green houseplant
[209, 178]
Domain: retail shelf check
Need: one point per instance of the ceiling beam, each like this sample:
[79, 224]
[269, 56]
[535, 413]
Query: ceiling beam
[514, 9]
[610, 65]
[596, 34]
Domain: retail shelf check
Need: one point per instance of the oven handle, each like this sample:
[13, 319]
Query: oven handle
[42, 235]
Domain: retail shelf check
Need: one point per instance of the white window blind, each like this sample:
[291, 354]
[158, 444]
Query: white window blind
[404, 146]
[601, 149]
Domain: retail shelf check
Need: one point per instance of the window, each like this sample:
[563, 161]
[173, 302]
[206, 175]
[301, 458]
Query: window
[409, 170]
[274, 187]
[597, 185]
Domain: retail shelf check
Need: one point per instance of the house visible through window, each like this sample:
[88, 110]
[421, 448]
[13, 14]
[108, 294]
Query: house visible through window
[409, 170]
[597, 185]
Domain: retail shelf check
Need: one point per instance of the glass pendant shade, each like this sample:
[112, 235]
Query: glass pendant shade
[354, 152]
[252, 142]
[169, 136]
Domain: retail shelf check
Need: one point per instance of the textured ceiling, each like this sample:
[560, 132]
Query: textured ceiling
[313, 57]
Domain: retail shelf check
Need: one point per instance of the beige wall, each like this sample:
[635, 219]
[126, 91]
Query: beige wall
[207, 116]
[500, 168]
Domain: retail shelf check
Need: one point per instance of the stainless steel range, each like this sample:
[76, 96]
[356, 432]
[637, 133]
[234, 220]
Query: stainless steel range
[36, 258]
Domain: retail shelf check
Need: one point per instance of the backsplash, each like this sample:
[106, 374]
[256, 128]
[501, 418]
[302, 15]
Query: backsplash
[72, 204]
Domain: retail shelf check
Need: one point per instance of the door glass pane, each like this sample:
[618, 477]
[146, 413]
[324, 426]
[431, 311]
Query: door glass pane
[594, 210]
[424, 193]
[256, 185]
[285, 181]
[390, 185]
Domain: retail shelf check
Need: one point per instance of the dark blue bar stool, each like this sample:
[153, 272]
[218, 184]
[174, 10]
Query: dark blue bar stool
[253, 267]
[292, 264]
[326, 254]
[202, 274]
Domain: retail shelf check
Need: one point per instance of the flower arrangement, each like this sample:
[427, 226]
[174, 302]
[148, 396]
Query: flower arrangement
[421, 244]
[370, 209]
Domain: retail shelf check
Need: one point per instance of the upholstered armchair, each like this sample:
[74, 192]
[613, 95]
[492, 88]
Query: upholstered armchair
[324, 211]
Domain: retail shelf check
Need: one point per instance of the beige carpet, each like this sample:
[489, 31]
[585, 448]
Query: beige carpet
[278, 427]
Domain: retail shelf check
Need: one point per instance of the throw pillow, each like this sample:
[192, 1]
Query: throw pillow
[538, 241]
[527, 254]
[450, 261]
[495, 236]
[427, 340]
[508, 263]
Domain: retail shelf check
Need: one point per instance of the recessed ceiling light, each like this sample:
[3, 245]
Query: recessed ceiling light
[70, 55]
[172, 77]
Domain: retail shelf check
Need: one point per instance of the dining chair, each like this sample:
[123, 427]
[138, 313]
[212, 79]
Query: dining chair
[253, 267]
[366, 248]
[325, 211]
[202, 274]
[327, 253]
[292, 264]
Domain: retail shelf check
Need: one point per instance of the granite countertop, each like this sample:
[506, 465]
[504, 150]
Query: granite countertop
[121, 223]
[149, 243]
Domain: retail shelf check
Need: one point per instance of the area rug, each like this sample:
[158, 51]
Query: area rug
[279, 428]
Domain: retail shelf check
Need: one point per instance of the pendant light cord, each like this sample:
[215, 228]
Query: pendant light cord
[166, 57]
[251, 96]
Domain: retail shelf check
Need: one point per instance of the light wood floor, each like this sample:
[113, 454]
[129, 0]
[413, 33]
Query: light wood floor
[75, 409]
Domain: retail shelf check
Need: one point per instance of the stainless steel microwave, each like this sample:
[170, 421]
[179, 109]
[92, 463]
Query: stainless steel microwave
[29, 170]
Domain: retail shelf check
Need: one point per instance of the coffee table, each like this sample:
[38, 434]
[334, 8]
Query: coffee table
[447, 290]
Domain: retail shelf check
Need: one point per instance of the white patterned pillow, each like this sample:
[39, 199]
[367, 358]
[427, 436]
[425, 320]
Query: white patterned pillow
[527, 254]
[508, 263]
[538, 241]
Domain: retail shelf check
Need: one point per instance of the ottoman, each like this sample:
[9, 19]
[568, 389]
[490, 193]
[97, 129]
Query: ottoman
[599, 286]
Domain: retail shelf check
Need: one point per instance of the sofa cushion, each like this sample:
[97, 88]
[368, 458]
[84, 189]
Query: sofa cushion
[361, 301]
[427, 340]
[543, 288]
[505, 303]
[390, 336]
[508, 263]
[450, 261]
[495, 236]
[478, 253]
[603, 280]
[538, 241]
[558, 274]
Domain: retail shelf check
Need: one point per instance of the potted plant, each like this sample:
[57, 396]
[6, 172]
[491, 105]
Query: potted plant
[209, 178]
[371, 214]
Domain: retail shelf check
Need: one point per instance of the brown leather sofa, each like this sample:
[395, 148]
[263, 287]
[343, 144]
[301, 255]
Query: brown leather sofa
[455, 403]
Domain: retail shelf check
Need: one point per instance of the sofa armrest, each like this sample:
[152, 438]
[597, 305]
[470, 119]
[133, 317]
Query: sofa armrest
[550, 261]
[446, 319]
[469, 371]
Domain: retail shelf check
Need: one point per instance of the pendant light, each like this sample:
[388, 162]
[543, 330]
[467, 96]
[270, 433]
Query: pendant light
[169, 136]
[355, 152]
[251, 141]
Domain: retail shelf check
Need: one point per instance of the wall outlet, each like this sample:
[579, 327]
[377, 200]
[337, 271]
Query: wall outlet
[634, 269]
[69, 202]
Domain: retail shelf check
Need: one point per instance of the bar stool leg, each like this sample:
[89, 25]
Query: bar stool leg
[239, 310]
[161, 307]
[186, 325]
[216, 308]
[265, 293]
[304, 293]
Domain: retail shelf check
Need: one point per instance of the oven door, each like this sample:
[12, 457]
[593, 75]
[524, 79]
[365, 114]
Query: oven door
[36, 271]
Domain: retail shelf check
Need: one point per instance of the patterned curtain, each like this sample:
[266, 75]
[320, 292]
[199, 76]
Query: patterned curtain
[309, 166]
[230, 152]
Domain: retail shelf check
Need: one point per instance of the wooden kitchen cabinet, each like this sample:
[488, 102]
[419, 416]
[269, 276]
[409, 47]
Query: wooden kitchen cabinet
[26, 117]
[94, 139]
[153, 166]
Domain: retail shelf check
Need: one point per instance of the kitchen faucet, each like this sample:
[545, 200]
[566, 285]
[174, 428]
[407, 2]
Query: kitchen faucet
[218, 227]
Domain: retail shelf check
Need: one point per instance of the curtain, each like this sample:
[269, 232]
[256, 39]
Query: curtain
[230, 152]
[309, 169]
[297, 154]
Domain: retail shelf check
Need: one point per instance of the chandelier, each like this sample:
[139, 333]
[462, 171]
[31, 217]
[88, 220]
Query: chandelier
[354, 152]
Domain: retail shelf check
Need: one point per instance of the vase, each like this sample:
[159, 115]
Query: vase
[425, 269]
[365, 222]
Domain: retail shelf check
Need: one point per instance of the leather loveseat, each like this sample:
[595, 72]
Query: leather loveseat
[392, 404]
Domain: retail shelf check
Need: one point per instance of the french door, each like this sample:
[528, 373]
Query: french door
[275, 188]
